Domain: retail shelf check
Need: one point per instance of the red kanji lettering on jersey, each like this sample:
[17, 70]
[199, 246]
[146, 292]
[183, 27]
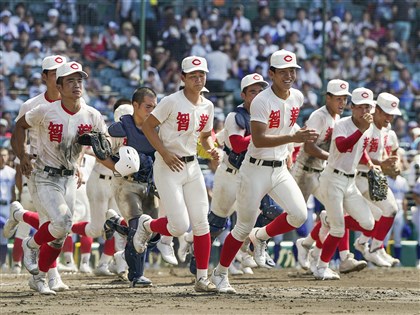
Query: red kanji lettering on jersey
[125, 141]
[374, 144]
[84, 129]
[274, 121]
[388, 147]
[294, 113]
[203, 121]
[365, 143]
[183, 121]
[55, 132]
[328, 134]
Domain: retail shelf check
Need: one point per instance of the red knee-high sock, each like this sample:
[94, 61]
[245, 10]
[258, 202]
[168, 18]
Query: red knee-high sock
[329, 247]
[353, 225]
[68, 245]
[79, 228]
[382, 228]
[109, 247]
[160, 226]
[229, 250]
[32, 218]
[43, 235]
[202, 246]
[54, 264]
[47, 256]
[17, 252]
[315, 231]
[279, 226]
[344, 242]
[85, 244]
[318, 243]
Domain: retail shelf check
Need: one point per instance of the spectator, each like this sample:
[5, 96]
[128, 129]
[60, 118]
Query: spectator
[378, 31]
[202, 48]
[192, 36]
[36, 86]
[147, 68]
[130, 67]
[193, 19]
[379, 81]
[219, 65]
[310, 99]
[365, 22]
[239, 21]
[35, 56]
[11, 56]
[401, 17]
[392, 50]
[406, 89]
[210, 31]
[248, 46]
[261, 59]
[334, 68]
[6, 26]
[37, 32]
[80, 37]
[294, 45]
[262, 19]
[302, 25]
[73, 48]
[111, 40]
[283, 25]
[12, 102]
[243, 68]
[176, 43]
[50, 27]
[313, 43]
[347, 25]
[270, 30]
[334, 34]
[22, 44]
[227, 29]
[95, 53]
[309, 75]
[127, 40]
[91, 84]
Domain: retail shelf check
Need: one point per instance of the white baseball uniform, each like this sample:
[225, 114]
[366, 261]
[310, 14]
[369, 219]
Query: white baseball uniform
[257, 179]
[183, 194]
[338, 186]
[7, 183]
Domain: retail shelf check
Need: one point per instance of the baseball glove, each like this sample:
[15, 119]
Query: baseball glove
[97, 140]
[378, 185]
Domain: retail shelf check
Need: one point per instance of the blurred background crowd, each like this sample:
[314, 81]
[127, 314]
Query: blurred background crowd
[370, 43]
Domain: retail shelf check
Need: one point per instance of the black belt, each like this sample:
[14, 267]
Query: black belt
[24, 185]
[4, 202]
[266, 163]
[363, 174]
[231, 170]
[310, 169]
[344, 174]
[187, 159]
[104, 176]
[58, 171]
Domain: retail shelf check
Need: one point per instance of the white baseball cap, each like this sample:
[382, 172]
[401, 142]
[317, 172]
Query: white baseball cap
[70, 68]
[252, 79]
[53, 12]
[282, 59]
[194, 63]
[338, 87]
[388, 103]
[123, 109]
[53, 62]
[362, 96]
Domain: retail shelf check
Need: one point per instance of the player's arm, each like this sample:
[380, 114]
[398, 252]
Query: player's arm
[18, 180]
[313, 150]
[262, 140]
[149, 130]
[208, 144]
[18, 144]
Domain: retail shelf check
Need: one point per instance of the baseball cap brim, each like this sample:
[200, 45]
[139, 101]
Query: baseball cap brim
[196, 69]
[393, 111]
[65, 74]
[340, 93]
[362, 102]
[286, 66]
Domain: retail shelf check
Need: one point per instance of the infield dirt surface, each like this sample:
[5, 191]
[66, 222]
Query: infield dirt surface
[281, 291]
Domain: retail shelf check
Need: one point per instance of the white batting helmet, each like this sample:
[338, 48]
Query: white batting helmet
[124, 109]
[129, 161]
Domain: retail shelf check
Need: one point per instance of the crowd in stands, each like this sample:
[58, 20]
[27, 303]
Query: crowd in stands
[373, 44]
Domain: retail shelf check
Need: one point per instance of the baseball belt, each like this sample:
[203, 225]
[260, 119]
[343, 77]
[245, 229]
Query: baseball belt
[101, 176]
[266, 162]
[187, 159]
[231, 170]
[58, 171]
[363, 174]
[310, 169]
[342, 173]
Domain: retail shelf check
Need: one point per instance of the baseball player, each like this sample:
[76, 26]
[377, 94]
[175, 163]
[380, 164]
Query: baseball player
[101, 198]
[311, 162]
[264, 171]
[182, 117]
[7, 195]
[134, 193]
[380, 153]
[349, 139]
[49, 68]
[53, 180]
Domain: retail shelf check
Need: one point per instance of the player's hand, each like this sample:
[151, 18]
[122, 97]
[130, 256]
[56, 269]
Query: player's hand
[26, 165]
[391, 166]
[305, 135]
[215, 155]
[173, 161]
[366, 120]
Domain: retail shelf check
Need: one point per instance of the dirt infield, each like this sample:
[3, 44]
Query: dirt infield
[280, 291]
